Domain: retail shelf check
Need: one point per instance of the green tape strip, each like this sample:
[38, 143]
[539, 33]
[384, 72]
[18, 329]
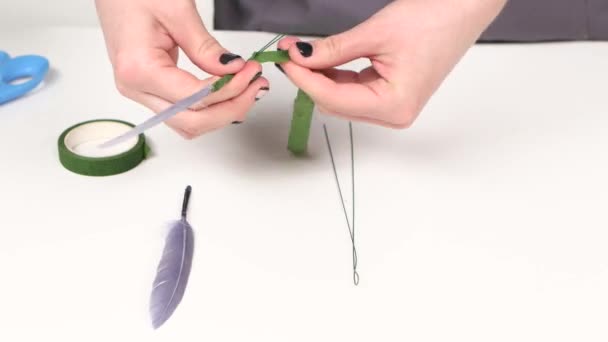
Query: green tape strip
[279, 56]
[101, 166]
[261, 57]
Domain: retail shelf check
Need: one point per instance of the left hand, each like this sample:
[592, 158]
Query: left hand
[143, 39]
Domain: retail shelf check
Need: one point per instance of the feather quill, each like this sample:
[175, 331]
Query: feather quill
[173, 269]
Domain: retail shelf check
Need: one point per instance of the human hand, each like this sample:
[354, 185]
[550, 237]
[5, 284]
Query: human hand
[143, 38]
[412, 46]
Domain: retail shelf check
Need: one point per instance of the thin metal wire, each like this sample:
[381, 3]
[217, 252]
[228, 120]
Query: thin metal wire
[351, 227]
[352, 174]
[269, 44]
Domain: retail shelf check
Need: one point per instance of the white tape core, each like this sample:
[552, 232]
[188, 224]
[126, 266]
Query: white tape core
[85, 139]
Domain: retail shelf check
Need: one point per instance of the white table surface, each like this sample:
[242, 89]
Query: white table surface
[486, 221]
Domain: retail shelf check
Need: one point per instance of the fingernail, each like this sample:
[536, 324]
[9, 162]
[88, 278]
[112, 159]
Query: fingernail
[261, 93]
[258, 75]
[304, 48]
[279, 67]
[228, 57]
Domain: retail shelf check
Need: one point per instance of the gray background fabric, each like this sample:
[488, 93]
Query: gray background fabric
[598, 23]
[521, 20]
[538, 20]
[306, 17]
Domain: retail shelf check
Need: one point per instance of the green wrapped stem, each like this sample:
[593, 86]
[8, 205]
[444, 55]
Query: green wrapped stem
[261, 57]
[300, 123]
[222, 82]
[302, 109]
[279, 56]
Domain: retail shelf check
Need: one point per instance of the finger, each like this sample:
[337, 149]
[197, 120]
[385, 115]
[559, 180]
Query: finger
[187, 29]
[341, 76]
[221, 114]
[240, 106]
[190, 124]
[287, 42]
[357, 99]
[366, 75]
[154, 71]
[173, 84]
[241, 81]
[369, 120]
[331, 51]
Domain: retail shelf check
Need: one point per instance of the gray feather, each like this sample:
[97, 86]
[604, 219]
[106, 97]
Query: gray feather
[172, 273]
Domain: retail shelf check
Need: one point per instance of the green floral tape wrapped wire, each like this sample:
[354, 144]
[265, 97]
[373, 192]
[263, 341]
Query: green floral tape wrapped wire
[303, 105]
[260, 57]
[300, 123]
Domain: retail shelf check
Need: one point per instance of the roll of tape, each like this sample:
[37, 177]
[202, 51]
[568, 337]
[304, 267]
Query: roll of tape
[79, 151]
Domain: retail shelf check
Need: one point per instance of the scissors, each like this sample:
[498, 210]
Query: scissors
[11, 69]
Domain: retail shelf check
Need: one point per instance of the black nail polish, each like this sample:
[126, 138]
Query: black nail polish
[228, 57]
[304, 48]
[264, 89]
[279, 67]
[258, 75]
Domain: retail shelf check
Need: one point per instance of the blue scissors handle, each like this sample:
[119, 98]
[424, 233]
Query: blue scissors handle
[11, 69]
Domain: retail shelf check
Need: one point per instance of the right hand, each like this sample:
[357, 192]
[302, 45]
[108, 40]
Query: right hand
[143, 38]
[411, 46]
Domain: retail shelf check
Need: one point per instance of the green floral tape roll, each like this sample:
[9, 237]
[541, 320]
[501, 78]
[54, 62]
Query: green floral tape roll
[79, 149]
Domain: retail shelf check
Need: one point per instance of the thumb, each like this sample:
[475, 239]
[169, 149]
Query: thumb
[331, 51]
[187, 29]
